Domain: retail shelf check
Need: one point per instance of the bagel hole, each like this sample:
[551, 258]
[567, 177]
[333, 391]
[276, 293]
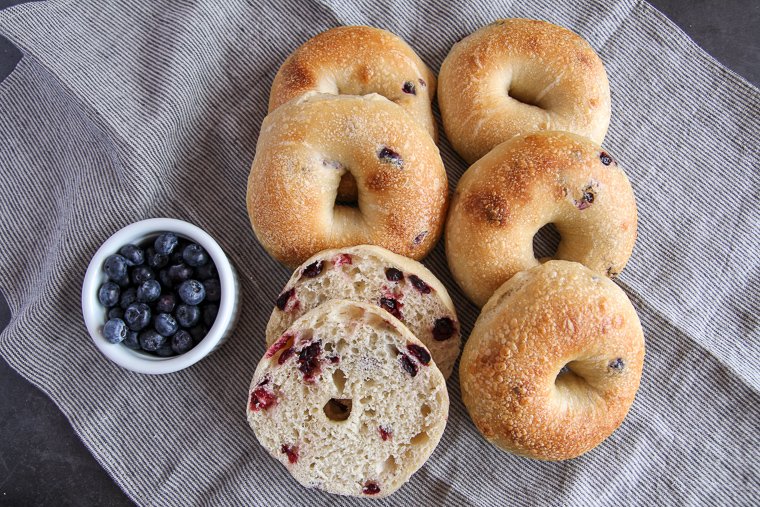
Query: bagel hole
[570, 378]
[338, 409]
[348, 193]
[546, 241]
[523, 95]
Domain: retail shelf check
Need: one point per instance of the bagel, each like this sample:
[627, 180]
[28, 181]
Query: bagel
[350, 401]
[516, 76]
[525, 183]
[358, 60]
[338, 170]
[553, 363]
[370, 274]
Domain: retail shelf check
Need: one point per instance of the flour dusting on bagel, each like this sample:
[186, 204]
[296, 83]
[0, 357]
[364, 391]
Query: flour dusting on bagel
[523, 184]
[359, 60]
[521, 75]
[553, 363]
[341, 170]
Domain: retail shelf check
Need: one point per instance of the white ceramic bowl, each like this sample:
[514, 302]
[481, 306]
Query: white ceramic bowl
[95, 313]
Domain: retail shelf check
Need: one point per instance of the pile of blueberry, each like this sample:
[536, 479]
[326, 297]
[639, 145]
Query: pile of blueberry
[161, 298]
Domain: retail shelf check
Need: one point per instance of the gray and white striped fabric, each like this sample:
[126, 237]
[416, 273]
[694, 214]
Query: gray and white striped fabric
[123, 110]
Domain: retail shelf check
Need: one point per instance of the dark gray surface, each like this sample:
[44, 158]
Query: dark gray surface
[42, 461]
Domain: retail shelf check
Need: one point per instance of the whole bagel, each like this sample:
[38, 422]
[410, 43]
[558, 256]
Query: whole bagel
[520, 75]
[358, 60]
[553, 363]
[338, 170]
[525, 183]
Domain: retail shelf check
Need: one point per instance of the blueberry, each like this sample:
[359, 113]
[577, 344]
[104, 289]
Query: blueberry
[165, 324]
[115, 267]
[132, 340]
[108, 294]
[206, 271]
[148, 291]
[192, 292]
[150, 340]
[209, 313]
[116, 313]
[179, 273]
[114, 331]
[166, 303]
[156, 260]
[213, 290]
[128, 296]
[198, 333]
[165, 350]
[137, 316]
[194, 255]
[188, 315]
[182, 342]
[165, 279]
[122, 282]
[133, 253]
[165, 243]
[176, 256]
[139, 274]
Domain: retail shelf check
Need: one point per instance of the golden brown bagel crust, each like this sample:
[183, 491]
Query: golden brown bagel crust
[520, 75]
[304, 149]
[358, 60]
[557, 314]
[525, 183]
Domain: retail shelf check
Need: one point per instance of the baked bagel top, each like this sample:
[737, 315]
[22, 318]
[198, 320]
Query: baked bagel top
[520, 75]
[358, 60]
[341, 170]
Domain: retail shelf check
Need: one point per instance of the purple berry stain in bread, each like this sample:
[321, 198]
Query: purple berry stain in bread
[422, 82]
[370, 488]
[313, 269]
[261, 397]
[617, 365]
[443, 329]
[334, 359]
[278, 345]
[309, 362]
[418, 284]
[394, 275]
[409, 88]
[605, 158]
[419, 352]
[386, 433]
[392, 306]
[286, 354]
[342, 259]
[284, 300]
[291, 452]
[419, 237]
[389, 156]
[409, 365]
[587, 198]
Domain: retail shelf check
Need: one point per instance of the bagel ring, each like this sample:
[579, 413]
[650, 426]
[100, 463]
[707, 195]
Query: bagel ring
[516, 76]
[332, 171]
[359, 60]
[553, 363]
[523, 184]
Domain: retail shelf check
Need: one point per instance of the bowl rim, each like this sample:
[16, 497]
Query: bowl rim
[137, 232]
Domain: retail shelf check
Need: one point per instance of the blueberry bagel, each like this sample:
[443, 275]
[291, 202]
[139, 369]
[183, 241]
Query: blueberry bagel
[521, 75]
[370, 274]
[349, 400]
[339, 170]
[525, 183]
[553, 362]
[358, 60]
